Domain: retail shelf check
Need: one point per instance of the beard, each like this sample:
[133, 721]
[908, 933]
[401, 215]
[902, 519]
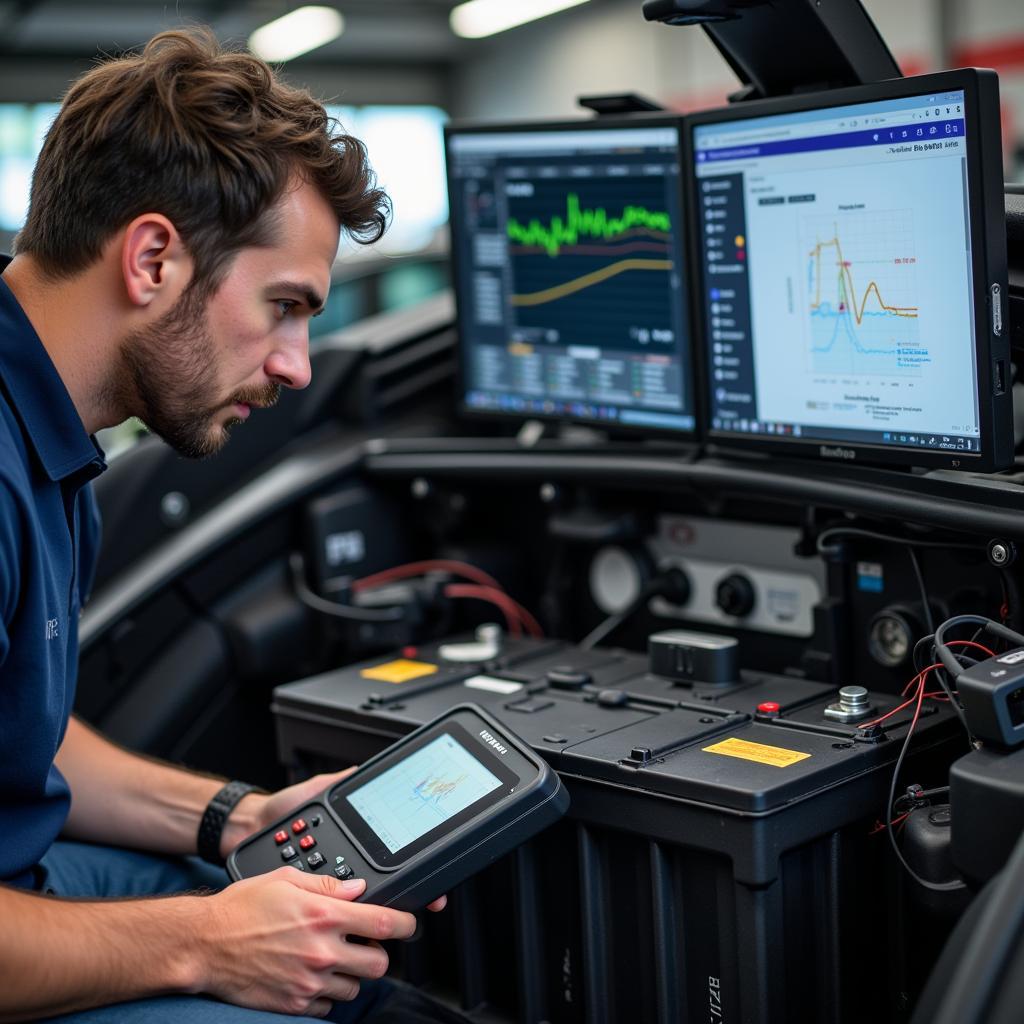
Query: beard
[168, 379]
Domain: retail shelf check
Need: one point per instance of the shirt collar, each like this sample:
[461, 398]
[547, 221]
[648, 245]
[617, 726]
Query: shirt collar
[40, 399]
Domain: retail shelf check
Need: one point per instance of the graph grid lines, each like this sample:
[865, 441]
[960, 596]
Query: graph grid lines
[860, 294]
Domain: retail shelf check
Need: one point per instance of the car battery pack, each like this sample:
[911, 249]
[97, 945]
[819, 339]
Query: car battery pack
[717, 862]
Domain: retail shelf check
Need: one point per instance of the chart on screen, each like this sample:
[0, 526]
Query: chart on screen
[861, 294]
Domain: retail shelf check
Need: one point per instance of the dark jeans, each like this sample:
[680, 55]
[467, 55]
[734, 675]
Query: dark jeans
[85, 870]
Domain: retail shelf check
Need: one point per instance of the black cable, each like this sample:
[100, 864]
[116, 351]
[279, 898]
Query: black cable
[915, 563]
[890, 803]
[669, 583]
[940, 675]
[916, 657]
[351, 613]
[856, 531]
[612, 623]
[948, 658]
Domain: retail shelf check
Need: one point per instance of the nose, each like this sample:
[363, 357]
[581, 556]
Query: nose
[288, 364]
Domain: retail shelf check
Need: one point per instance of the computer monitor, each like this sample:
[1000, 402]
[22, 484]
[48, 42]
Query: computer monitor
[568, 257]
[851, 273]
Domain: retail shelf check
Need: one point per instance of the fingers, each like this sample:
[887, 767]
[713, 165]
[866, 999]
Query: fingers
[439, 904]
[340, 988]
[372, 922]
[325, 885]
[358, 961]
[363, 919]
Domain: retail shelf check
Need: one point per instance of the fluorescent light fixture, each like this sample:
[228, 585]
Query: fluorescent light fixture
[479, 18]
[300, 31]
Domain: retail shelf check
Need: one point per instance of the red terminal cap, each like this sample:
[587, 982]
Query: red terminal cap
[768, 707]
[410, 652]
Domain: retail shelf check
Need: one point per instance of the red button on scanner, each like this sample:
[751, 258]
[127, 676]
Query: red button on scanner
[768, 707]
[280, 837]
[307, 842]
[299, 825]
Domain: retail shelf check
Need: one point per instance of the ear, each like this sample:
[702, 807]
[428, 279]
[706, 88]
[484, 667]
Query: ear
[154, 261]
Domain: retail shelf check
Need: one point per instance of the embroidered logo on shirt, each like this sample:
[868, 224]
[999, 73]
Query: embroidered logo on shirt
[51, 629]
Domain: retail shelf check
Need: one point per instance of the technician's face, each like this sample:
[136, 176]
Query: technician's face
[205, 365]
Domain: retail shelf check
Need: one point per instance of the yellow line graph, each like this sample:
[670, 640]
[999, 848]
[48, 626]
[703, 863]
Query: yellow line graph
[846, 288]
[595, 277]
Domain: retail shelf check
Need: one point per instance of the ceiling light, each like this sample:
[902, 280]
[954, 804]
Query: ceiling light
[300, 31]
[479, 18]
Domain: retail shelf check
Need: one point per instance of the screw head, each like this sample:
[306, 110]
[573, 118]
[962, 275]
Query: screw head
[998, 554]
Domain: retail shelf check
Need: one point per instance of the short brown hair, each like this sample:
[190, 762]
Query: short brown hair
[206, 136]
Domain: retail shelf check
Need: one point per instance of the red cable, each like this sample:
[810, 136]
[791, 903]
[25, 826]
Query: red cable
[448, 565]
[496, 597]
[526, 619]
[533, 627]
[970, 643]
[880, 825]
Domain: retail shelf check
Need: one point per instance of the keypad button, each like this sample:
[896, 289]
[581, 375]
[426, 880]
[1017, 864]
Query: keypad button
[343, 871]
[280, 837]
[315, 821]
[299, 825]
[307, 842]
[314, 860]
[288, 852]
[298, 864]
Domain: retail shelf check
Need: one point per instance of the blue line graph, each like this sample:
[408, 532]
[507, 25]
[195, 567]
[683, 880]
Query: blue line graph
[862, 313]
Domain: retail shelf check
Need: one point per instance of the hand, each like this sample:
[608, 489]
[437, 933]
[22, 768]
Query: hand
[279, 941]
[284, 801]
[257, 811]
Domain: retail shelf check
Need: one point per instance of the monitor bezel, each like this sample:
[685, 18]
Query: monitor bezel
[989, 267]
[615, 428]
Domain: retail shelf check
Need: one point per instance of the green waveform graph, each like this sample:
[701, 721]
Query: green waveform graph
[566, 231]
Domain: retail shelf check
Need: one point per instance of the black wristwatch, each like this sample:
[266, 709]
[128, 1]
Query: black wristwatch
[211, 825]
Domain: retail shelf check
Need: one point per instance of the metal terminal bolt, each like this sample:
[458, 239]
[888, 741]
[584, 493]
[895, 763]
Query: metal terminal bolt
[853, 704]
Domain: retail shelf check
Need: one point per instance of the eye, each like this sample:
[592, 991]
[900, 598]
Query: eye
[285, 306]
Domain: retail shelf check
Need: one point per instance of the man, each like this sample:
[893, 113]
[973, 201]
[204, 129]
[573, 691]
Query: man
[185, 214]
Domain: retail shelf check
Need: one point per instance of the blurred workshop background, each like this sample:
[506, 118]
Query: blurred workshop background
[393, 71]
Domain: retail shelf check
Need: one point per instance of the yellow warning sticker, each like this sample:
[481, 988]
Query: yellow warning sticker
[779, 757]
[402, 670]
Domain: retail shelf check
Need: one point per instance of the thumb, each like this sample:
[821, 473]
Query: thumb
[326, 885]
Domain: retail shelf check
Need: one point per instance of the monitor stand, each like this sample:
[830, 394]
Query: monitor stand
[576, 435]
[827, 45]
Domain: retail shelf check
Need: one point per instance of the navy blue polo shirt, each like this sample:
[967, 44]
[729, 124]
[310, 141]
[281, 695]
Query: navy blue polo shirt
[49, 541]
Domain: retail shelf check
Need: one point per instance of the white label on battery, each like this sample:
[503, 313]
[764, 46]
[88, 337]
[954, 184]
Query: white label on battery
[492, 684]
[1012, 658]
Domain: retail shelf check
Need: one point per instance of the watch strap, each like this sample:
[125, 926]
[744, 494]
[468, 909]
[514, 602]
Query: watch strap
[211, 825]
